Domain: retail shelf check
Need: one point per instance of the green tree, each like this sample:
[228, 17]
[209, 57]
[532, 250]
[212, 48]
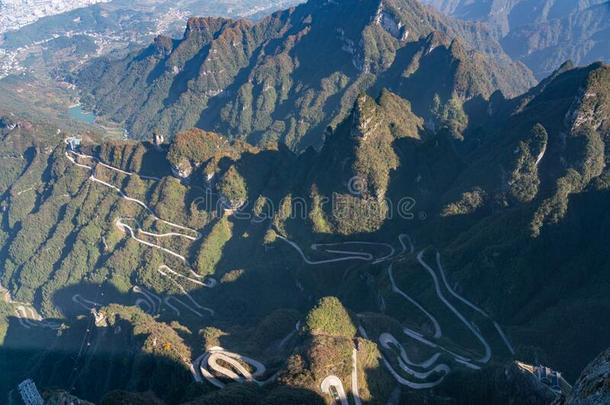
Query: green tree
[233, 187]
[329, 317]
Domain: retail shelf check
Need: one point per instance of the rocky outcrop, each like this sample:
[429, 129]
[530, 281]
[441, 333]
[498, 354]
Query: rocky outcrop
[593, 386]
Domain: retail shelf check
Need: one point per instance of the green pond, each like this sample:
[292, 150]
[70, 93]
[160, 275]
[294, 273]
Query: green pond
[77, 113]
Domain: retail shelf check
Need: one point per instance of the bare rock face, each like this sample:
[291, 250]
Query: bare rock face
[158, 139]
[182, 170]
[593, 386]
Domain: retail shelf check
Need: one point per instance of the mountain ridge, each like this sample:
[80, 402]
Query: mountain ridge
[260, 81]
[542, 33]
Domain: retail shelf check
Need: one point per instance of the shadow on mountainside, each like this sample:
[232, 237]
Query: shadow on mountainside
[126, 349]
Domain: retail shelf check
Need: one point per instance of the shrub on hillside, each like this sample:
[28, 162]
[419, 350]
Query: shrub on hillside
[211, 249]
[330, 317]
[232, 186]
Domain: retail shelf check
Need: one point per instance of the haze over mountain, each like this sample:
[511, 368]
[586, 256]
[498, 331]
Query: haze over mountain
[358, 202]
[17, 13]
[542, 33]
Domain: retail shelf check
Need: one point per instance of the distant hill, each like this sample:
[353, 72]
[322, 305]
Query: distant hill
[542, 33]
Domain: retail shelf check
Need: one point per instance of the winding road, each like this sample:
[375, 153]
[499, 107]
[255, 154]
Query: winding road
[422, 374]
[196, 233]
[437, 328]
[85, 303]
[208, 282]
[209, 361]
[471, 305]
[350, 254]
[333, 382]
[387, 341]
[355, 393]
[183, 290]
[98, 161]
[28, 318]
[151, 300]
[487, 349]
[419, 372]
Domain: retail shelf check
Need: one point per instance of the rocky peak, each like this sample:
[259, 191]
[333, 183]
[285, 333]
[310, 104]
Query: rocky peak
[436, 39]
[391, 22]
[204, 24]
[591, 105]
[365, 117]
[593, 385]
[164, 45]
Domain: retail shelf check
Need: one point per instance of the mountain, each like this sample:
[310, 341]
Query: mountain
[357, 202]
[264, 81]
[72, 33]
[460, 246]
[542, 33]
[36, 58]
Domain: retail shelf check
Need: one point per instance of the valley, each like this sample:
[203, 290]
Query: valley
[356, 202]
[152, 303]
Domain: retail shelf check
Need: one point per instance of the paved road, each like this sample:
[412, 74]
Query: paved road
[126, 228]
[355, 393]
[162, 235]
[123, 195]
[351, 255]
[238, 373]
[410, 367]
[288, 336]
[406, 249]
[419, 337]
[191, 299]
[487, 349]
[437, 328]
[471, 305]
[410, 384]
[28, 318]
[154, 301]
[85, 303]
[387, 339]
[208, 282]
[404, 362]
[116, 169]
[324, 246]
[335, 382]
[163, 270]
